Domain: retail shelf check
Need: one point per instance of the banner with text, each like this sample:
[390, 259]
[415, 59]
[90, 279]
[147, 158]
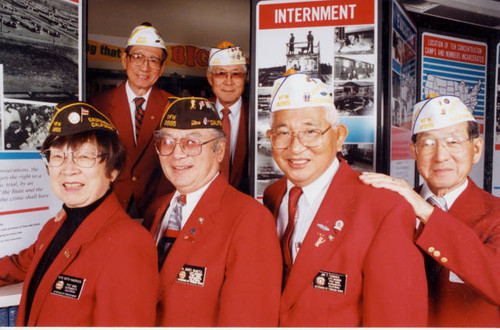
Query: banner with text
[184, 56]
[332, 40]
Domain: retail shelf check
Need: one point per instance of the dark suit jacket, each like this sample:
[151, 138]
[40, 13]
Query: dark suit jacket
[114, 256]
[362, 271]
[231, 241]
[466, 241]
[142, 177]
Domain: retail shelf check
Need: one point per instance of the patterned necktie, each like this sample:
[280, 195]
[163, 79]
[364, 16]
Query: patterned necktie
[293, 199]
[173, 228]
[226, 128]
[139, 115]
[438, 201]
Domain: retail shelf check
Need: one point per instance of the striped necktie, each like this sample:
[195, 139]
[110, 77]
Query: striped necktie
[174, 226]
[139, 115]
[438, 201]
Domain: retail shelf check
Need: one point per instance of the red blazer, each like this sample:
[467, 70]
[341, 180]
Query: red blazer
[365, 272]
[142, 177]
[468, 237]
[115, 258]
[230, 241]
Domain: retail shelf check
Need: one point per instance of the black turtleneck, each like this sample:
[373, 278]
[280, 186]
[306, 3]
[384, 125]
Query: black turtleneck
[75, 217]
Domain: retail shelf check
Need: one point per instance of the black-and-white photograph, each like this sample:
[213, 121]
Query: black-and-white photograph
[354, 98]
[354, 39]
[359, 156]
[354, 68]
[25, 125]
[304, 50]
[39, 49]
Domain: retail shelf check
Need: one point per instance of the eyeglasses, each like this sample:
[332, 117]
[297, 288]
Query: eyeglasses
[165, 145]
[307, 137]
[139, 59]
[229, 75]
[81, 158]
[453, 144]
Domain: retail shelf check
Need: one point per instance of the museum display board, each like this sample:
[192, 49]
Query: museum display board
[335, 41]
[41, 64]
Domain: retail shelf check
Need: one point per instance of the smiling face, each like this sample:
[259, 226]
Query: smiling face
[227, 90]
[142, 77]
[302, 165]
[445, 171]
[190, 173]
[77, 186]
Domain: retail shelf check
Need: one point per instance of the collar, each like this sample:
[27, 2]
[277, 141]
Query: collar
[449, 197]
[312, 190]
[235, 108]
[192, 200]
[131, 95]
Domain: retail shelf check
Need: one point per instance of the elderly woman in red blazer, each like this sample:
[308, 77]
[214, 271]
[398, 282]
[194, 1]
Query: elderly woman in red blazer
[92, 265]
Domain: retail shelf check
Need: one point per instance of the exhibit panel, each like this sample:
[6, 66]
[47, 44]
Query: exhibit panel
[334, 41]
[41, 64]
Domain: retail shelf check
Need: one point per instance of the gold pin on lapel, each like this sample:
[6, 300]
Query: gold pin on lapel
[320, 241]
[66, 253]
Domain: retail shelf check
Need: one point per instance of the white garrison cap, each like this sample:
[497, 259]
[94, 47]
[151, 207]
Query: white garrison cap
[226, 53]
[437, 112]
[145, 35]
[297, 90]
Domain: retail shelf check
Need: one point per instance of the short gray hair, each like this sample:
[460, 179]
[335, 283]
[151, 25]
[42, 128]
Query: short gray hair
[210, 67]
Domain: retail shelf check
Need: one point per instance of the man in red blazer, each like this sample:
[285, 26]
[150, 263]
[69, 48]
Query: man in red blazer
[459, 226]
[349, 257]
[226, 74]
[219, 256]
[144, 61]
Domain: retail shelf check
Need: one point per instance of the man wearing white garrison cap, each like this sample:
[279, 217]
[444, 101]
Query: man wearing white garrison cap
[226, 74]
[459, 223]
[349, 256]
[135, 107]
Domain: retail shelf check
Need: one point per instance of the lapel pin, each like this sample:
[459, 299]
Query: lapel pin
[41, 246]
[320, 241]
[201, 220]
[331, 237]
[323, 227]
[66, 253]
[339, 225]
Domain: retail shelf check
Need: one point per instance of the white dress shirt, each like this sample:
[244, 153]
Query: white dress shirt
[192, 200]
[307, 207]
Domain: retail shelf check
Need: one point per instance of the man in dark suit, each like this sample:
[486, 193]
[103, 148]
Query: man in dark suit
[459, 223]
[226, 74]
[135, 108]
[349, 257]
[219, 255]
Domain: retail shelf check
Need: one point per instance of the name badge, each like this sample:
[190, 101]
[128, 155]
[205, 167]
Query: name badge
[68, 286]
[192, 275]
[330, 281]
